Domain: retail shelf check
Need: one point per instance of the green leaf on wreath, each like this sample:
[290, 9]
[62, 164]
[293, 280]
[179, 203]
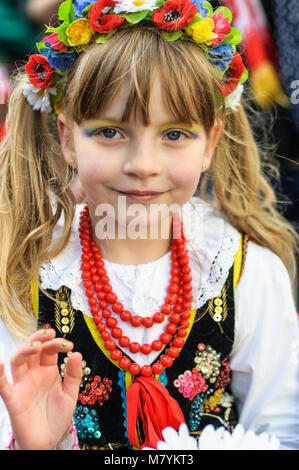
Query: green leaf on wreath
[136, 17]
[234, 37]
[66, 11]
[173, 36]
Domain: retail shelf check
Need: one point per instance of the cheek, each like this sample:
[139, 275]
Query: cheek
[93, 166]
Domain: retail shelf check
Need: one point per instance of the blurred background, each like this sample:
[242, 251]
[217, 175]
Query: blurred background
[270, 48]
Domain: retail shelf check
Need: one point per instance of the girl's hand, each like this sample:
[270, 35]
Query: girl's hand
[39, 403]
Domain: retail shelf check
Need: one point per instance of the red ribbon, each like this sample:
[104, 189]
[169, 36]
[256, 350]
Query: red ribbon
[151, 401]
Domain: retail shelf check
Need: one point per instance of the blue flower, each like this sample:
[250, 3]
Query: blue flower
[221, 56]
[80, 5]
[200, 8]
[61, 60]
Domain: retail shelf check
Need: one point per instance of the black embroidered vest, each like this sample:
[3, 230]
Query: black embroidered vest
[199, 379]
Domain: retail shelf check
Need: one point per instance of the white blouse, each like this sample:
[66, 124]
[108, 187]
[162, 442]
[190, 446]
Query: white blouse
[265, 355]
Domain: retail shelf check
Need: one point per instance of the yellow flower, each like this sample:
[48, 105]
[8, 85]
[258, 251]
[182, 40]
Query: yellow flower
[202, 31]
[80, 32]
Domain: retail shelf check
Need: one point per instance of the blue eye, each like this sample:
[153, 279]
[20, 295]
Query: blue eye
[109, 133]
[174, 135]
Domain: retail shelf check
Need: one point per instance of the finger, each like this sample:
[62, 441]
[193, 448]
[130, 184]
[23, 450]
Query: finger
[42, 336]
[19, 361]
[6, 388]
[50, 350]
[73, 375]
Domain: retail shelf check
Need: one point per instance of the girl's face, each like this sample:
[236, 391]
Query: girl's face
[114, 158]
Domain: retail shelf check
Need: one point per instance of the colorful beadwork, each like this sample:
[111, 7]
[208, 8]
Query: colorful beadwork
[191, 383]
[224, 377]
[87, 423]
[208, 363]
[95, 391]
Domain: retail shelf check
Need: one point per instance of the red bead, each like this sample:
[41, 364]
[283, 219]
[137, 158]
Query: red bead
[106, 313]
[184, 324]
[171, 328]
[166, 309]
[158, 368]
[105, 335]
[117, 307]
[148, 322]
[101, 326]
[111, 297]
[105, 279]
[175, 318]
[111, 322]
[107, 288]
[86, 275]
[146, 371]
[97, 318]
[101, 295]
[103, 304]
[98, 286]
[178, 342]
[89, 292]
[94, 309]
[116, 355]
[186, 269]
[124, 363]
[117, 332]
[182, 332]
[157, 345]
[158, 317]
[170, 299]
[166, 361]
[110, 344]
[185, 315]
[173, 352]
[165, 338]
[188, 296]
[146, 348]
[135, 347]
[172, 289]
[87, 283]
[125, 315]
[134, 369]
[177, 308]
[124, 341]
[85, 266]
[92, 301]
[136, 321]
[201, 347]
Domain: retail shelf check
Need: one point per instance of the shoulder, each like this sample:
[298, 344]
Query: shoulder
[264, 299]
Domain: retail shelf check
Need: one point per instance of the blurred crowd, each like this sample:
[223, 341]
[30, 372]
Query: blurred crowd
[270, 46]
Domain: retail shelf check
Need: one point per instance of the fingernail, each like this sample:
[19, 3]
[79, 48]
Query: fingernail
[32, 344]
[45, 331]
[64, 343]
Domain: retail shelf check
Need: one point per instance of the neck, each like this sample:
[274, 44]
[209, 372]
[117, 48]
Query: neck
[128, 250]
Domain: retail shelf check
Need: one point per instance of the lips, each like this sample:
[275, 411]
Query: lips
[142, 193]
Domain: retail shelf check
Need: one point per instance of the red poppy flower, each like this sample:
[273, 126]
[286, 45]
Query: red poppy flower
[174, 14]
[100, 21]
[39, 71]
[234, 75]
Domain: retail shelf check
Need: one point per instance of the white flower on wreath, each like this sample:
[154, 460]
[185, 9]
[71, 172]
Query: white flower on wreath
[133, 6]
[226, 400]
[233, 100]
[215, 439]
[38, 98]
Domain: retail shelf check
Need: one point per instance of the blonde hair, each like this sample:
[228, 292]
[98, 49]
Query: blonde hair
[34, 173]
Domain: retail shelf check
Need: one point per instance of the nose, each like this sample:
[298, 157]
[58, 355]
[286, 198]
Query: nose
[142, 161]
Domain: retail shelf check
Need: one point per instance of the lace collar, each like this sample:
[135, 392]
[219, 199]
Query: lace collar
[212, 243]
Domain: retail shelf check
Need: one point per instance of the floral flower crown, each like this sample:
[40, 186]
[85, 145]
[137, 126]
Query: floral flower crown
[87, 21]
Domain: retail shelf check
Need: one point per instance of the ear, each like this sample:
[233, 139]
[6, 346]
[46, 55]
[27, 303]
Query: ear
[66, 140]
[212, 142]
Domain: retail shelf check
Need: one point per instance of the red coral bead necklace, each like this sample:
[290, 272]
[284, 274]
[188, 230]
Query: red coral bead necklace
[100, 296]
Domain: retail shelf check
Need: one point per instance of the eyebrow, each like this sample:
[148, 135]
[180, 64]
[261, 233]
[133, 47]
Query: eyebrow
[162, 127]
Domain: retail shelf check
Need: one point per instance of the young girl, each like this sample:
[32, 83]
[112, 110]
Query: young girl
[110, 333]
